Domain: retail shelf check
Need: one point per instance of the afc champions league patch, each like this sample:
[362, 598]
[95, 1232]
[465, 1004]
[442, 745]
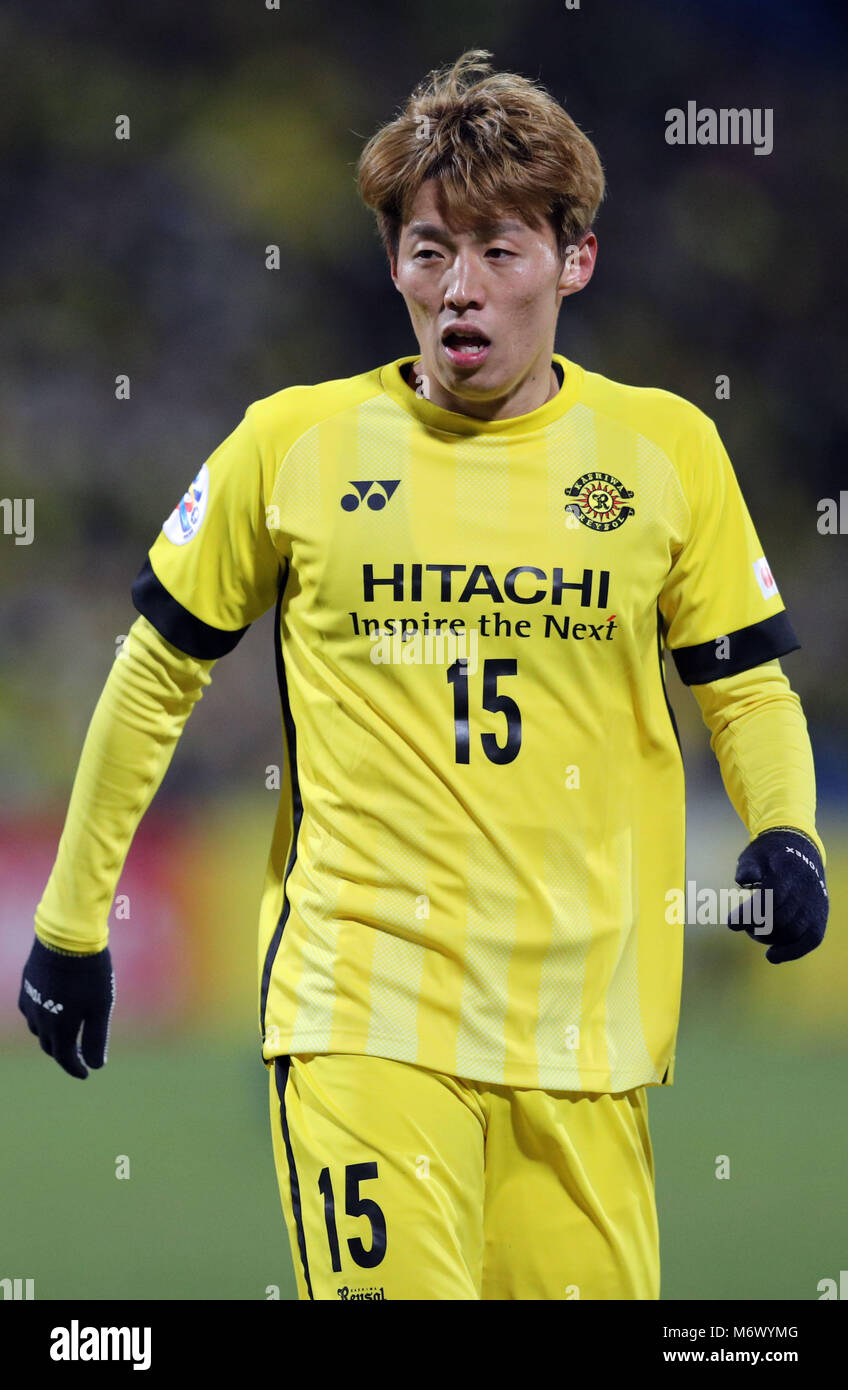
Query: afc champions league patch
[601, 501]
[186, 518]
[765, 578]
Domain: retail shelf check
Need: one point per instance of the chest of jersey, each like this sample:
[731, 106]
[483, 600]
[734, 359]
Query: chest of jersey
[518, 540]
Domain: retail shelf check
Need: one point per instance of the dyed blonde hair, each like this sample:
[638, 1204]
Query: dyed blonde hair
[496, 141]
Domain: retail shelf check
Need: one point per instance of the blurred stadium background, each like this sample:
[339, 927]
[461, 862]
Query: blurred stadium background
[147, 257]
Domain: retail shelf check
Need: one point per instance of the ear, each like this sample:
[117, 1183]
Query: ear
[392, 255]
[578, 265]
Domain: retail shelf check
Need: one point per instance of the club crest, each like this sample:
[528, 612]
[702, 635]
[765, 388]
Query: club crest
[601, 501]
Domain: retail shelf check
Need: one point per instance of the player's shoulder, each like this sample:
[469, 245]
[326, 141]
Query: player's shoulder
[673, 423]
[281, 418]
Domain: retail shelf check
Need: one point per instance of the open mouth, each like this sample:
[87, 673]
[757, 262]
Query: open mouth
[466, 347]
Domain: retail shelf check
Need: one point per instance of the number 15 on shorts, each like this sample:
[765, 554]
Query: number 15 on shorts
[356, 1204]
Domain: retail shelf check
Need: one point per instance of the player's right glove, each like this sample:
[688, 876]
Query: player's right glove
[67, 1002]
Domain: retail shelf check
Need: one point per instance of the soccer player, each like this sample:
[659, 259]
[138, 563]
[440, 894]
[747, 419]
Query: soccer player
[477, 552]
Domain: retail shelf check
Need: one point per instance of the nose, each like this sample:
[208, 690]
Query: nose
[464, 288]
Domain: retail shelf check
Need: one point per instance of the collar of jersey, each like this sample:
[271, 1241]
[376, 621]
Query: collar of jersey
[452, 422]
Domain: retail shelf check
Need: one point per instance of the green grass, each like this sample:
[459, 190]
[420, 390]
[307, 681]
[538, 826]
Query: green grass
[200, 1215]
[779, 1224]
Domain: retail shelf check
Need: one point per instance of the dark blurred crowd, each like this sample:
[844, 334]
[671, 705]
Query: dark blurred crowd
[146, 258]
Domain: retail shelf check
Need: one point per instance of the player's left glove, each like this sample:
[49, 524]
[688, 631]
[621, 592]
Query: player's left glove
[786, 867]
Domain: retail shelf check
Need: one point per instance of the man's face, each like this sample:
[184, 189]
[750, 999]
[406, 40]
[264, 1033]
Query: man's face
[484, 303]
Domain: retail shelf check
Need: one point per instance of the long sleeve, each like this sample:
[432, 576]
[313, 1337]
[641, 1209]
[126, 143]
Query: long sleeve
[760, 739]
[148, 696]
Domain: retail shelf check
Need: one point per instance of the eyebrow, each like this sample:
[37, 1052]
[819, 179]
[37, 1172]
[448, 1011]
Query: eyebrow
[434, 232]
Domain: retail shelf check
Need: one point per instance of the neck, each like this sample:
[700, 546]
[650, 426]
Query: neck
[533, 392]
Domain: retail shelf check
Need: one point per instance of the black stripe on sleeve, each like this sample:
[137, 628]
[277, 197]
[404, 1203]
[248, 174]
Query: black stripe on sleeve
[747, 647]
[176, 624]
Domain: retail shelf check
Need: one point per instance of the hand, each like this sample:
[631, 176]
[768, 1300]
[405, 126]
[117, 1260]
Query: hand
[67, 1002]
[786, 867]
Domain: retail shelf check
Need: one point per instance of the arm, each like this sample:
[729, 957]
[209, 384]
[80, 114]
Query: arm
[148, 696]
[760, 740]
[211, 571]
[759, 736]
[68, 983]
[726, 626]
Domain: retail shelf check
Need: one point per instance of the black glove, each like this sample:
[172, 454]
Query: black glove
[63, 996]
[785, 864]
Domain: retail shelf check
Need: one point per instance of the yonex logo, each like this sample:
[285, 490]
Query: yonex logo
[47, 1004]
[376, 501]
[790, 849]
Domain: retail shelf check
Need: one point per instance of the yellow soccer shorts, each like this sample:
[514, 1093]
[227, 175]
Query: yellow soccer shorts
[402, 1183]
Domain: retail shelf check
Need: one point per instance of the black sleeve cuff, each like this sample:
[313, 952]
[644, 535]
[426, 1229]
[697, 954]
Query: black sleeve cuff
[176, 624]
[747, 647]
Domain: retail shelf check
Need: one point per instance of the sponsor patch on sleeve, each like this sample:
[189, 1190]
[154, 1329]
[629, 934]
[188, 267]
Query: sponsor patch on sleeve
[765, 578]
[187, 517]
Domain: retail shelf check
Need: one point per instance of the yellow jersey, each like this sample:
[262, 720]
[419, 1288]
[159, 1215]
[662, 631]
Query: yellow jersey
[482, 810]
